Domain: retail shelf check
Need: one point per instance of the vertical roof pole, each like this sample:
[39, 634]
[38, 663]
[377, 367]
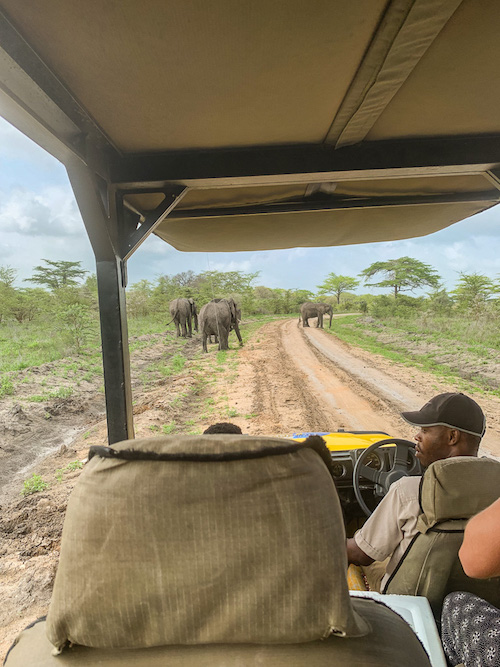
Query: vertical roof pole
[98, 208]
[115, 353]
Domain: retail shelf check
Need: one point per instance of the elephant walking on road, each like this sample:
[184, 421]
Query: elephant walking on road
[309, 310]
[183, 312]
[218, 318]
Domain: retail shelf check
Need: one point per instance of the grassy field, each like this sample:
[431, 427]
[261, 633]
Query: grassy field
[464, 351]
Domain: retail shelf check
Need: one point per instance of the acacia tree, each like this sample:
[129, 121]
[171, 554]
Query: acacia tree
[57, 274]
[403, 274]
[337, 285]
[473, 290]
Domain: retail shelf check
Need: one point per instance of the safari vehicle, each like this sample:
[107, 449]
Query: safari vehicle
[229, 126]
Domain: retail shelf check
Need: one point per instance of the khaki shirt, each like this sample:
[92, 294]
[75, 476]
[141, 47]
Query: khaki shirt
[392, 526]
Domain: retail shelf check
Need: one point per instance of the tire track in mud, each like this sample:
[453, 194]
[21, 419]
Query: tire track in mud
[307, 380]
[280, 391]
[298, 387]
[349, 404]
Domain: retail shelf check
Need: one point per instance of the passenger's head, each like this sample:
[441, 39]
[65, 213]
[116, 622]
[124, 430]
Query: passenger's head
[222, 427]
[450, 425]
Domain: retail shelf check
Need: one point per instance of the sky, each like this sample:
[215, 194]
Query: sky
[39, 219]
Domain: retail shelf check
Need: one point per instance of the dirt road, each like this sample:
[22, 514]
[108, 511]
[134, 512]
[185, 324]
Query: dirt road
[302, 379]
[285, 380]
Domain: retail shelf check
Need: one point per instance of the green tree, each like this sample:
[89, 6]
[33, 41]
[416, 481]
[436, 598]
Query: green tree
[403, 274]
[185, 279]
[440, 302]
[139, 299]
[218, 284]
[57, 274]
[473, 291]
[337, 285]
[29, 302]
[78, 324]
[7, 291]
[7, 276]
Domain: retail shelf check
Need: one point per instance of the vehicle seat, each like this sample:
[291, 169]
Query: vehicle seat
[451, 492]
[216, 550]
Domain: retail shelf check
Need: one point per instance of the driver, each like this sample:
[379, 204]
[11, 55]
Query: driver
[450, 425]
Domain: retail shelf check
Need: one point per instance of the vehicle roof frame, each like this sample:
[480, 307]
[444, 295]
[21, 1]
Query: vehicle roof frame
[36, 101]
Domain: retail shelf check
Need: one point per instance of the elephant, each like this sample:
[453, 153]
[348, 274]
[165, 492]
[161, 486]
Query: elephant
[219, 317]
[310, 309]
[183, 312]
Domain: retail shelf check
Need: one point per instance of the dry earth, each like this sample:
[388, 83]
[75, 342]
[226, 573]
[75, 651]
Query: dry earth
[285, 380]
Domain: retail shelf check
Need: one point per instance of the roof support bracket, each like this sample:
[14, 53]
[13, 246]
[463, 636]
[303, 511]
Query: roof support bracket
[151, 220]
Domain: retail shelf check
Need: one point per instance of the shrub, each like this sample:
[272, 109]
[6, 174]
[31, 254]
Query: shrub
[6, 387]
[34, 485]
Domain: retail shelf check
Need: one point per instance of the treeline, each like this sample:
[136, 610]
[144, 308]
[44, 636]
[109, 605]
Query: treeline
[146, 297]
[66, 295]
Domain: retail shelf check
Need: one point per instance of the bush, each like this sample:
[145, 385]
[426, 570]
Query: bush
[79, 325]
[6, 387]
[404, 306]
[34, 485]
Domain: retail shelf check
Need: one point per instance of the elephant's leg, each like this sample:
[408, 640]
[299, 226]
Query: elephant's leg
[177, 328]
[223, 339]
[305, 321]
[237, 330]
[183, 326]
[204, 342]
[190, 331]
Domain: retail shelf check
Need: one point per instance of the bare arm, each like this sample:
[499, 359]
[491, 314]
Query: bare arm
[480, 551]
[355, 555]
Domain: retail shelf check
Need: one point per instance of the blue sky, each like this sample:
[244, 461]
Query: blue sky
[39, 219]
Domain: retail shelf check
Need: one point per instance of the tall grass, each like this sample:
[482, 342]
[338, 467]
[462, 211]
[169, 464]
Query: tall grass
[30, 344]
[475, 332]
[42, 341]
[455, 348]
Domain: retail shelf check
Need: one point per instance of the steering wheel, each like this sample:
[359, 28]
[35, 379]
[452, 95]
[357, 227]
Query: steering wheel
[401, 467]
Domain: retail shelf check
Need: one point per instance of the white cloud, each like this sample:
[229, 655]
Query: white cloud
[16, 146]
[52, 212]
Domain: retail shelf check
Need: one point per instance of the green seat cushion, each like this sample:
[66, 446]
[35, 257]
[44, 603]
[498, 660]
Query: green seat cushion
[390, 643]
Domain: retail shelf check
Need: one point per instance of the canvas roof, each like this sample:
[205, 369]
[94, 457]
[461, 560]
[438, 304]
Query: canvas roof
[271, 123]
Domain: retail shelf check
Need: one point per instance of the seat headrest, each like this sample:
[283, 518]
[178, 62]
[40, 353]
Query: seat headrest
[202, 539]
[458, 488]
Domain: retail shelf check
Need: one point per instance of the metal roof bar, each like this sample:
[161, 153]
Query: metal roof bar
[308, 163]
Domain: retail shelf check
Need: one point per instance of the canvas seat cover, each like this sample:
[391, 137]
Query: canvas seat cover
[245, 544]
[235, 558]
[451, 492]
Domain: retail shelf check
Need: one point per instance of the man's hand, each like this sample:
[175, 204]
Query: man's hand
[355, 555]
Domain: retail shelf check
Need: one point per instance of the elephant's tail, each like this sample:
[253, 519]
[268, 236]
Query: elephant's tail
[300, 320]
[176, 314]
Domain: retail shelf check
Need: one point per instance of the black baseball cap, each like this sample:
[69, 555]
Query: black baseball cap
[452, 410]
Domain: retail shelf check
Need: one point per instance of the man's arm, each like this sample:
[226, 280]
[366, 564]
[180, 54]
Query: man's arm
[382, 532]
[480, 550]
[355, 555]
